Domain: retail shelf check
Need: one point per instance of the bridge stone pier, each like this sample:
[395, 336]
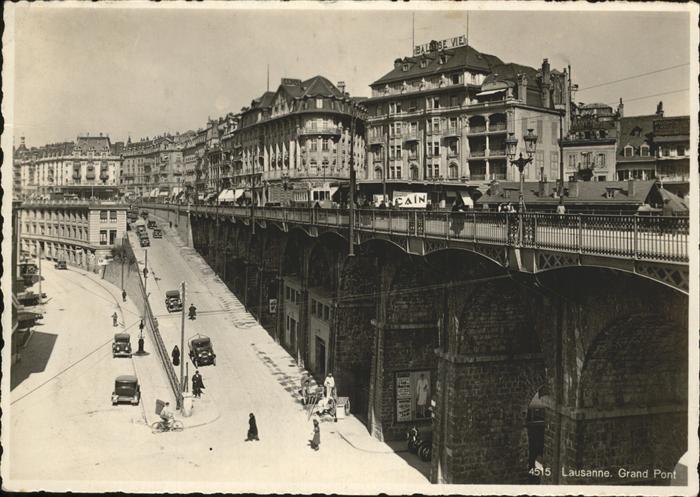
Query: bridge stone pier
[574, 374]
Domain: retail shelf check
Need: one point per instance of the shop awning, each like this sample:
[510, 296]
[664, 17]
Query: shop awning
[238, 193]
[333, 190]
[227, 196]
[467, 199]
[489, 92]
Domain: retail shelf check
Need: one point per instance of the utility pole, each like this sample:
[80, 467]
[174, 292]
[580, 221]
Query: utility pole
[182, 343]
[145, 275]
[352, 179]
[561, 158]
[39, 254]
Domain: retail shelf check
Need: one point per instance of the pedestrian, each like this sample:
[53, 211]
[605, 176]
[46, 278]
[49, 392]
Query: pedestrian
[171, 224]
[124, 295]
[316, 440]
[252, 429]
[422, 394]
[197, 384]
[114, 319]
[330, 385]
[176, 356]
[305, 383]
[141, 327]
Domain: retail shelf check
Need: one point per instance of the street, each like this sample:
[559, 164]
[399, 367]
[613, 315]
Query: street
[62, 409]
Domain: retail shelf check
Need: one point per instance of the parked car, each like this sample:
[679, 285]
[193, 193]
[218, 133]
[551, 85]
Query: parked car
[126, 389]
[144, 241]
[140, 229]
[172, 301]
[157, 233]
[201, 351]
[152, 223]
[61, 265]
[121, 345]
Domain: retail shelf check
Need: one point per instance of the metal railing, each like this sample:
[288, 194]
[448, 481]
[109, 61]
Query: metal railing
[649, 238]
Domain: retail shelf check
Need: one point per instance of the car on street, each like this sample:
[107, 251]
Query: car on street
[201, 351]
[140, 229]
[61, 265]
[121, 345]
[157, 233]
[152, 223]
[144, 241]
[126, 389]
[172, 301]
[144, 214]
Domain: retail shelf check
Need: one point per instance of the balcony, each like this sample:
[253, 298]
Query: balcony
[319, 130]
[375, 140]
[452, 152]
[452, 132]
[494, 152]
[497, 127]
[476, 129]
[411, 136]
[477, 153]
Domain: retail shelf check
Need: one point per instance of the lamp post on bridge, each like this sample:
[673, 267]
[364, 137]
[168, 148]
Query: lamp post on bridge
[521, 162]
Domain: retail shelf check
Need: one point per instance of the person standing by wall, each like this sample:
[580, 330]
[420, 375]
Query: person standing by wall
[252, 429]
[316, 440]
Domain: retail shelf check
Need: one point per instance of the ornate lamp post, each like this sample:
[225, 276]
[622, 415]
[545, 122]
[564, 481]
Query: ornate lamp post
[521, 162]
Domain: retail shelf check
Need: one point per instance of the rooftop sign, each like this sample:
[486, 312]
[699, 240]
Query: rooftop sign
[435, 45]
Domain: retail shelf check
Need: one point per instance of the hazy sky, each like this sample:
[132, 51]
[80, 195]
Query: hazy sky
[145, 71]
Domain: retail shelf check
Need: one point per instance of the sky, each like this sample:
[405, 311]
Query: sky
[144, 71]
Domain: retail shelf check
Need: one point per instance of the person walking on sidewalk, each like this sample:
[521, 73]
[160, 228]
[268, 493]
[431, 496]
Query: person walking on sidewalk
[197, 384]
[176, 356]
[316, 440]
[252, 429]
[124, 295]
[114, 319]
[330, 386]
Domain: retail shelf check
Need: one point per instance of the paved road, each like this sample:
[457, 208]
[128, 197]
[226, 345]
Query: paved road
[91, 441]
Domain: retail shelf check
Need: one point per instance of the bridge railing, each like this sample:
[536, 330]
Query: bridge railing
[654, 238]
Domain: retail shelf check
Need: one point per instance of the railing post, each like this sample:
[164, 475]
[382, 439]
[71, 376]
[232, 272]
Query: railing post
[374, 223]
[474, 224]
[447, 225]
[636, 233]
[580, 234]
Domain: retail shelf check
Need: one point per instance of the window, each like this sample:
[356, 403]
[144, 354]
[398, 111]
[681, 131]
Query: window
[424, 63]
[539, 161]
[326, 313]
[629, 151]
[395, 108]
[411, 105]
[453, 147]
[540, 131]
[555, 132]
[395, 129]
[433, 102]
[432, 170]
[319, 103]
[600, 159]
[435, 148]
[680, 150]
[103, 237]
[644, 150]
[113, 215]
[313, 145]
[313, 307]
[414, 128]
[572, 161]
[395, 171]
[455, 79]
[405, 67]
[324, 144]
[414, 172]
[454, 171]
[395, 152]
[435, 124]
[103, 216]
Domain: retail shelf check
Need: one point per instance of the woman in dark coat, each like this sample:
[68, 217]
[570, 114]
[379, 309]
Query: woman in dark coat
[252, 429]
[176, 356]
[316, 441]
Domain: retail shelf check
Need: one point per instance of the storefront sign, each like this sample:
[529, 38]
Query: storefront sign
[410, 200]
[435, 45]
[273, 306]
[413, 395]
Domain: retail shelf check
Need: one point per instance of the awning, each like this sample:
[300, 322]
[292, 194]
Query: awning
[176, 191]
[200, 196]
[238, 193]
[227, 196]
[467, 199]
[489, 92]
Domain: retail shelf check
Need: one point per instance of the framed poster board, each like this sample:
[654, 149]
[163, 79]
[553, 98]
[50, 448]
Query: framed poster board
[413, 395]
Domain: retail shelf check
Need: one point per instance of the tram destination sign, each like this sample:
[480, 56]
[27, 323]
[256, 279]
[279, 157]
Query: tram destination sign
[435, 45]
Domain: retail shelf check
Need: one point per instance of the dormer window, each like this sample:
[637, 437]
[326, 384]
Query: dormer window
[405, 67]
[629, 151]
[424, 63]
[644, 150]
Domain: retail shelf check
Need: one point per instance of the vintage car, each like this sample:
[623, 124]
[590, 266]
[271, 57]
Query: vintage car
[172, 301]
[126, 389]
[157, 233]
[152, 223]
[144, 214]
[140, 229]
[61, 265]
[144, 241]
[121, 345]
[201, 351]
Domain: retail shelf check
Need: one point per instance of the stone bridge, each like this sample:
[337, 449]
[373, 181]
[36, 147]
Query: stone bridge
[556, 338]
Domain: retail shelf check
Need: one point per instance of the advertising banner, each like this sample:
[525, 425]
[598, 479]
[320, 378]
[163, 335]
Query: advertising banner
[413, 395]
[411, 200]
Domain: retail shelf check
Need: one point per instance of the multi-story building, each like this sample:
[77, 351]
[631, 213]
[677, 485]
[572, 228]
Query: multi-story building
[193, 158]
[590, 146]
[69, 167]
[671, 137]
[442, 117]
[295, 142]
[153, 167]
[81, 232]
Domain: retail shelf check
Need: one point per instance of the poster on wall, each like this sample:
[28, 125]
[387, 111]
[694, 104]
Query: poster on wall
[413, 395]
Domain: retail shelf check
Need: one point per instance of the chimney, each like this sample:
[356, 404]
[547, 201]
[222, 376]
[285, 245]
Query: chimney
[631, 187]
[21, 141]
[546, 84]
[621, 108]
[660, 109]
[522, 88]
[341, 87]
[398, 63]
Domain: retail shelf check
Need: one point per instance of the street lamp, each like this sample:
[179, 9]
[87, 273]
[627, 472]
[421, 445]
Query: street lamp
[521, 162]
